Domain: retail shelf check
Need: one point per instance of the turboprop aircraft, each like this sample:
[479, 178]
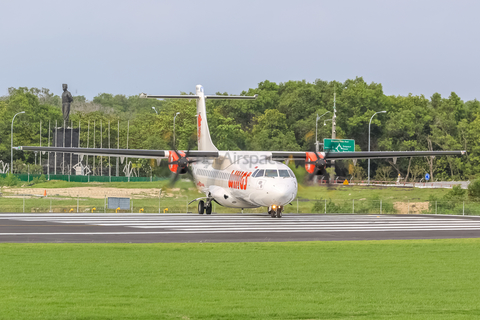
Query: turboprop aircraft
[238, 179]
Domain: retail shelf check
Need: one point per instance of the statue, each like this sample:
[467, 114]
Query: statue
[66, 100]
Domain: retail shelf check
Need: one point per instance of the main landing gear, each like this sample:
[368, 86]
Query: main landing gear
[204, 207]
[275, 211]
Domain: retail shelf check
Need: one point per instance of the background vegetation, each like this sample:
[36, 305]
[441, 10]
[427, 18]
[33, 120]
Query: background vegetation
[282, 118]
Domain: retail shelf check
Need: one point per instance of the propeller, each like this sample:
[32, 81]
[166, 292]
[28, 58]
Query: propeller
[320, 166]
[182, 162]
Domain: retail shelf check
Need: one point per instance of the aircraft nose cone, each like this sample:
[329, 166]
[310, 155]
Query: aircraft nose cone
[284, 193]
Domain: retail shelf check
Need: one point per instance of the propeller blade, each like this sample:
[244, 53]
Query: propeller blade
[174, 180]
[185, 164]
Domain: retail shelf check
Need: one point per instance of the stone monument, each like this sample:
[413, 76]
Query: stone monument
[66, 100]
[65, 136]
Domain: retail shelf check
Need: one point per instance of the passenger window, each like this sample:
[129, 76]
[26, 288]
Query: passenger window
[271, 173]
[283, 173]
[260, 173]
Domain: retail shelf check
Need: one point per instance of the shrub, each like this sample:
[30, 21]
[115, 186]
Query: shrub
[10, 180]
[456, 192]
[40, 179]
[319, 206]
[474, 190]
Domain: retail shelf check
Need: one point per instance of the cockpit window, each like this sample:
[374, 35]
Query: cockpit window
[271, 173]
[254, 173]
[291, 173]
[259, 173]
[283, 174]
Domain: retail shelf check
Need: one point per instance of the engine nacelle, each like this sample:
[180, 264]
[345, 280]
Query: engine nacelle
[181, 163]
[315, 163]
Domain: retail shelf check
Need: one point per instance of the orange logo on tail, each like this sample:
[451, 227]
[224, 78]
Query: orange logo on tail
[199, 125]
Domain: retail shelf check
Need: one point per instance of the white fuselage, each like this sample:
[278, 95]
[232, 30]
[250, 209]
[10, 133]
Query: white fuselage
[245, 179]
[233, 178]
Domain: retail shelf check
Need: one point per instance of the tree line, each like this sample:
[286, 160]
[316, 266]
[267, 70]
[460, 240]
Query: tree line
[283, 117]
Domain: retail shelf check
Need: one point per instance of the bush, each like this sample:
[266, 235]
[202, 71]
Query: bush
[474, 190]
[40, 179]
[319, 206]
[456, 192]
[10, 180]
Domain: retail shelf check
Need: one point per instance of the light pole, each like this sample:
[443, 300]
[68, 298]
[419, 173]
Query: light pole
[176, 114]
[11, 149]
[155, 110]
[369, 141]
[316, 130]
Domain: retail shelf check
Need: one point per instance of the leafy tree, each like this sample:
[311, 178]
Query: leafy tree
[271, 133]
[282, 118]
[383, 173]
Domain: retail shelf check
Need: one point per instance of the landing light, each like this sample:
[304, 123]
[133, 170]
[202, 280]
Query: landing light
[274, 206]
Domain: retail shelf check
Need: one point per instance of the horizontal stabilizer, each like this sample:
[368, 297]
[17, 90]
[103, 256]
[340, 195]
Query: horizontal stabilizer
[187, 96]
[179, 96]
[232, 97]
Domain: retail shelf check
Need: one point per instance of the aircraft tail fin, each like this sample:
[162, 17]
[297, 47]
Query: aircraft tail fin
[203, 132]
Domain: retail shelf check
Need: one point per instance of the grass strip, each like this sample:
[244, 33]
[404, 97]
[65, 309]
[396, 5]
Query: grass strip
[414, 279]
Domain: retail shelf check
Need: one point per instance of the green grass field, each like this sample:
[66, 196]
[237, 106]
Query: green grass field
[311, 200]
[415, 279]
[313, 193]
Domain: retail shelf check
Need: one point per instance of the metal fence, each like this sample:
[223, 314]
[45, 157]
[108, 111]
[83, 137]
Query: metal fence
[179, 204]
[89, 178]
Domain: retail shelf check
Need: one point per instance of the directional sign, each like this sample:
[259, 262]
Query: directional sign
[339, 145]
[122, 203]
[427, 177]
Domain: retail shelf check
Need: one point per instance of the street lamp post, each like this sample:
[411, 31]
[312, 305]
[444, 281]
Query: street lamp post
[176, 114]
[11, 149]
[316, 130]
[369, 142]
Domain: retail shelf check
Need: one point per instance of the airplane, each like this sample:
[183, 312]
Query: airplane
[237, 179]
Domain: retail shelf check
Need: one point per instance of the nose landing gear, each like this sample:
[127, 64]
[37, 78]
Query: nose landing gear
[275, 211]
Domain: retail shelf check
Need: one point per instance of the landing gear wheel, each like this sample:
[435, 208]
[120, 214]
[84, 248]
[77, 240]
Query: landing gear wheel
[208, 209]
[279, 213]
[273, 214]
[201, 207]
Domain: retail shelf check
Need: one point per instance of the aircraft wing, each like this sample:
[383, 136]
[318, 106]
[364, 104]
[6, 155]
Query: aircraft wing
[366, 155]
[131, 153]
[299, 155]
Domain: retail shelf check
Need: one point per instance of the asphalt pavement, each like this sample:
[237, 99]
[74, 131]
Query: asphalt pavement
[151, 228]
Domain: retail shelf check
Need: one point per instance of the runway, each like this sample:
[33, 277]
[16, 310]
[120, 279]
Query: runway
[150, 228]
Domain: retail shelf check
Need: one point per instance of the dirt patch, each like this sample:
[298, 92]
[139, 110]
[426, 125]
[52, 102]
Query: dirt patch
[412, 207]
[91, 192]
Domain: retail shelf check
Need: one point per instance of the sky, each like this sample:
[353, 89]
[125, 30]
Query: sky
[168, 47]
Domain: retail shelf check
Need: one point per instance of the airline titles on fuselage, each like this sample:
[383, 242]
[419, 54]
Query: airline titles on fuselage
[239, 180]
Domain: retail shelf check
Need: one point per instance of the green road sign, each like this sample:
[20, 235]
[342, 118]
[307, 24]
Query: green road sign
[339, 145]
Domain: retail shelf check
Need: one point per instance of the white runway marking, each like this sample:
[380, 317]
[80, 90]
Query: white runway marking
[196, 224]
